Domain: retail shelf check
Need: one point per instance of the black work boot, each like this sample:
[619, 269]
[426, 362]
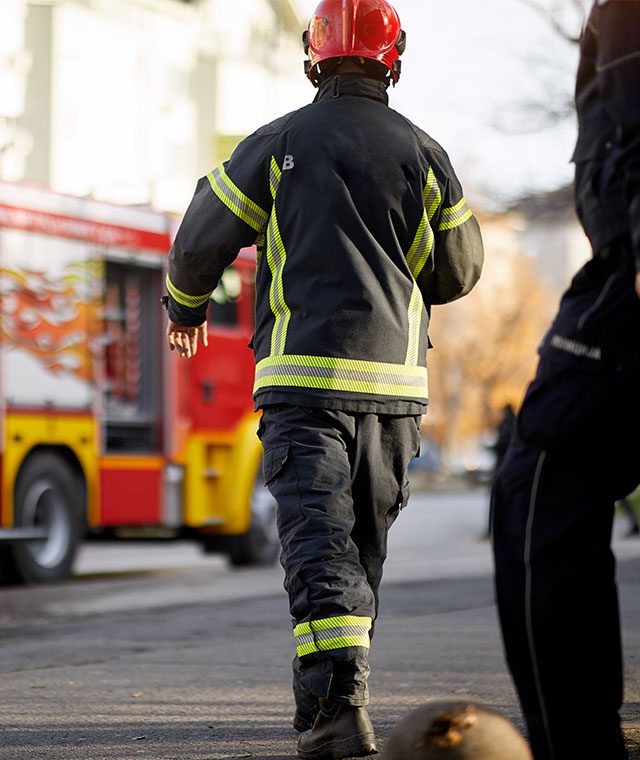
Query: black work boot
[340, 730]
[306, 704]
[303, 719]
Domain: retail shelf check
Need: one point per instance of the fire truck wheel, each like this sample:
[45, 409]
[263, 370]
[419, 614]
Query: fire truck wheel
[260, 545]
[47, 496]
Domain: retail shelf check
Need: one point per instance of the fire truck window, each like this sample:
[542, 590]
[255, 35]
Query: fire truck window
[223, 308]
[131, 388]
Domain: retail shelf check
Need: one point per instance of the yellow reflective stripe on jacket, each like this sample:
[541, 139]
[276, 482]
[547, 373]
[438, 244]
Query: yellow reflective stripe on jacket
[275, 175]
[431, 195]
[417, 257]
[455, 215]
[351, 375]
[415, 322]
[276, 258]
[235, 200]
[260, 243]
[423, 241]
[183, 298]
[421, 247]
[332, 633]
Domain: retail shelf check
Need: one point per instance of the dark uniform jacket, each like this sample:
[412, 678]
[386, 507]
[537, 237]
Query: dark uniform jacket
[607, 153]
[360, 225]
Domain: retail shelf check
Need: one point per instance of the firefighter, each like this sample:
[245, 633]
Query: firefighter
[361, 226]
[577, 448]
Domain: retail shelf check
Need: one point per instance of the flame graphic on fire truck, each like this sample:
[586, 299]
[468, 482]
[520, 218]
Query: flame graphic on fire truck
[54, 320]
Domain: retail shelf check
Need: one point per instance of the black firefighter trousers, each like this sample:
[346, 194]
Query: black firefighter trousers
[575, 452]
[340, 480]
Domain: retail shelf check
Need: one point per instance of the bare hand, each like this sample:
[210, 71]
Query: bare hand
[185, 339]
[638, 284]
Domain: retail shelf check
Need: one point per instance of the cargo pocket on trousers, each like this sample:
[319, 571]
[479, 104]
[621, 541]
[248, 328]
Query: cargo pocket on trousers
[401, 503]
[273, 461]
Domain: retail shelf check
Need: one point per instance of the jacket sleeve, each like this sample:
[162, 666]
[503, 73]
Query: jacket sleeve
[618, 66]
[229, 211]
[457, 250]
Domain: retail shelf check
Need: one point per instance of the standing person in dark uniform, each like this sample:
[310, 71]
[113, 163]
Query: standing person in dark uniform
[504, 432]
[555, 572]
[361, 225]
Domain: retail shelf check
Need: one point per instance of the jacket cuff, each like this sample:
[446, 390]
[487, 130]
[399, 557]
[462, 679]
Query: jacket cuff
[183, 315]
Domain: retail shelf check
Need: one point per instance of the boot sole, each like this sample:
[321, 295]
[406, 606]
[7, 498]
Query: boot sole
[339, 749]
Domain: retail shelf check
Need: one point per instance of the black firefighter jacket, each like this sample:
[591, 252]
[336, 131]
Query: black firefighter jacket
[607, 154]
[360, 225]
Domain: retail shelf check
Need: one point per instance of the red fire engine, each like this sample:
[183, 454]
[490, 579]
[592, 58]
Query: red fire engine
[101, 428]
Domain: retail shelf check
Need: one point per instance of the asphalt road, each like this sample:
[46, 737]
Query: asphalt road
[157, 651]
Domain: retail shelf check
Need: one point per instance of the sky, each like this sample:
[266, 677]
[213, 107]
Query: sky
[469, 70]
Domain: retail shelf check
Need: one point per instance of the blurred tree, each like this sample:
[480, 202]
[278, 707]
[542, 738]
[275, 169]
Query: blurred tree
[566, 17]
[551, 102]
[484, 352]
[485, 345]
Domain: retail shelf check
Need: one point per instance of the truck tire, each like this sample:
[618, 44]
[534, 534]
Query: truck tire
[47, 495]
[260, 545]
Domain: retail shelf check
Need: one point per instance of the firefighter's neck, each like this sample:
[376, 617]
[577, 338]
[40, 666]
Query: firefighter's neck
[349, 67]
[352, 83]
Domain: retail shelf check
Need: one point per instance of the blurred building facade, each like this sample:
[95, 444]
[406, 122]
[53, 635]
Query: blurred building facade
[542, 228]
[550, 234]
[532, 251]
[132, 100]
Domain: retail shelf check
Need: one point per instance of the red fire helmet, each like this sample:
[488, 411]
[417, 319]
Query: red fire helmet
[367, 29]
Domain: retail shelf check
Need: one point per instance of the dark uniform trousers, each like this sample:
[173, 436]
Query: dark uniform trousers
[340, 480]
[576, 450]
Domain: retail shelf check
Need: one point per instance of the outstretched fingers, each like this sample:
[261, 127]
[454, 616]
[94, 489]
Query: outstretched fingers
[184, 340]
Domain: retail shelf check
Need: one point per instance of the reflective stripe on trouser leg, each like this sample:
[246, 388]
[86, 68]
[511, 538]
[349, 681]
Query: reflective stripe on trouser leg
[332, 633]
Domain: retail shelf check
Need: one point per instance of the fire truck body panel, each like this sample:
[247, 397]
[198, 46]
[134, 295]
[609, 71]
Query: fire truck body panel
[141, 438]
[74, 435]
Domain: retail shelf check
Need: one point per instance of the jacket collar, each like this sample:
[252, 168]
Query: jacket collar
[353, 84]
